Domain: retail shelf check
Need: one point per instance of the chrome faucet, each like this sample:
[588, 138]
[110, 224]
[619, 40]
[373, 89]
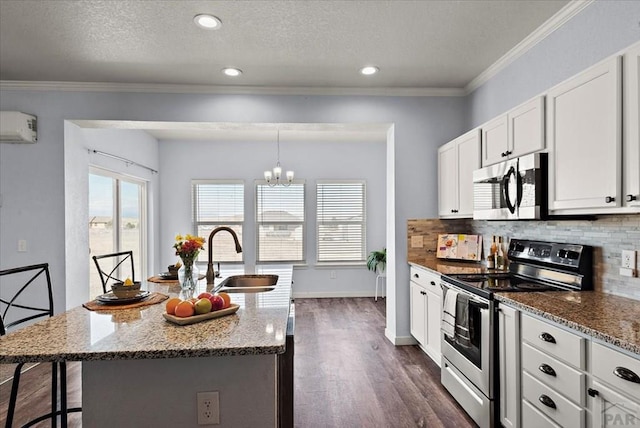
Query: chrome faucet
[210, 271]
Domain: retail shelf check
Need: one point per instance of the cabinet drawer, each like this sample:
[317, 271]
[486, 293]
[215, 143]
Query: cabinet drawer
[565, 413]
[606, 362]
[554, 373]
[562, 344]
[533, 418]
[426, 279]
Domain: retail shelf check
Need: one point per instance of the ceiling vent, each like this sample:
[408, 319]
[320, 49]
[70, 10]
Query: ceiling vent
[16, 127]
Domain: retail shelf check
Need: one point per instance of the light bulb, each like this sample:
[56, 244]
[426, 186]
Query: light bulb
[277, 172]
[267, 176]
[289, 176]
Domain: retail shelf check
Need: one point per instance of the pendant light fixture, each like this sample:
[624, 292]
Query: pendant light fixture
[275, 178]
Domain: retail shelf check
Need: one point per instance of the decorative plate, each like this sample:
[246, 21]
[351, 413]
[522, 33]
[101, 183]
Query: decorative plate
[112, 299]
[168, 275]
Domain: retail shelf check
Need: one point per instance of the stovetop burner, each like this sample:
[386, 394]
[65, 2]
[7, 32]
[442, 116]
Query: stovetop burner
[535, 266]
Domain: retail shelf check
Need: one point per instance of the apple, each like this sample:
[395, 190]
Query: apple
[203, 306]
[205, 295]
[217, 302]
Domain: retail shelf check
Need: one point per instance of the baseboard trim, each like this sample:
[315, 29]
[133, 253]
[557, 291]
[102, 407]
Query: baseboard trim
[400, 340]
[330, 294]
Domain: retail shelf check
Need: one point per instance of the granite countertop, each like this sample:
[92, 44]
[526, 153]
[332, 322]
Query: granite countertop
[259, 327]
[609, 318]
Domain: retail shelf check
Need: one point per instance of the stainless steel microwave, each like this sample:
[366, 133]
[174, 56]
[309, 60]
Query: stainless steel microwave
[511, 190]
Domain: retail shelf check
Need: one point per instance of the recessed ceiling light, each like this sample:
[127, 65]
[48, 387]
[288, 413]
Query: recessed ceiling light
[232, 72]
[369, 70]
[208, 22]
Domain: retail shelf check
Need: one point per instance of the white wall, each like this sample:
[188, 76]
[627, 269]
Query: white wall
[32, 179]
[600, 30]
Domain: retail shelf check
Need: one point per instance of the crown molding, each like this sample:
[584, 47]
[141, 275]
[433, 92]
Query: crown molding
[552, 24]
[22, 85]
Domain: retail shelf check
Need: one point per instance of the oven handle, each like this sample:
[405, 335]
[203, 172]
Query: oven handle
[472, 301]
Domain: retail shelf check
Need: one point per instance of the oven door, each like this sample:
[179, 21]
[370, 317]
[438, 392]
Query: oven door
[496, 191]
[474, 359]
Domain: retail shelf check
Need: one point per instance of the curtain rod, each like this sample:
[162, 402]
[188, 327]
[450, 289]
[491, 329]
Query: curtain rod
[127, 161]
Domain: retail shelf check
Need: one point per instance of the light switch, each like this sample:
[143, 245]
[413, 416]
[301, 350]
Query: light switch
[22, 245]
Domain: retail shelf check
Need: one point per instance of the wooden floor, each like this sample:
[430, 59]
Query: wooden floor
[347, 374]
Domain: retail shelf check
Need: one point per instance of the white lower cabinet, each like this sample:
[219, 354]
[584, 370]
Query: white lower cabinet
[426, 310]
[615, 388]
[509, 365]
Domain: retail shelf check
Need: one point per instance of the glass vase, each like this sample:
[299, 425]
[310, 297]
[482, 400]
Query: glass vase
[188, 274]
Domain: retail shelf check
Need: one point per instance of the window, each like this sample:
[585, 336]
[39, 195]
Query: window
[219, 203]
[117, 220]
[280, 222]
[341, 221]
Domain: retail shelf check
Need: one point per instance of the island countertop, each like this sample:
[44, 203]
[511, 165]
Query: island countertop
[259, 327]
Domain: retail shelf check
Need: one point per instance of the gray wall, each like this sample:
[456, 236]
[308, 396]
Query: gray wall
[600, 30]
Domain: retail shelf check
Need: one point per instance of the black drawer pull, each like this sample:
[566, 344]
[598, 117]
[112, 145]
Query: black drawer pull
[433, 283]
[631, 198]
[626, 374]
[609, 199]
[547, 369]
[547, 337]
[547, 401]
[593, 392]
[415, 275]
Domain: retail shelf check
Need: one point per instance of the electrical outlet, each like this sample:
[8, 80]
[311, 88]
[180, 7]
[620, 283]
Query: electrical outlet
[209, 408]
[22, 246]
[332, 274]
[628, 259]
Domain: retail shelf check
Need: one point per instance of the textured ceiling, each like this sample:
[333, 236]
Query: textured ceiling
[316, 44]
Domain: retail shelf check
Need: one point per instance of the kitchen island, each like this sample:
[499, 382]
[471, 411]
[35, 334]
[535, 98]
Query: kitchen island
[140, 370]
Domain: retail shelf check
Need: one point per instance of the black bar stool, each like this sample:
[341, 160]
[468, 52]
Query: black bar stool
[33, 277]
[117, 265]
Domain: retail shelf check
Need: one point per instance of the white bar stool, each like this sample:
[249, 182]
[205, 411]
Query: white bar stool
[381, 279]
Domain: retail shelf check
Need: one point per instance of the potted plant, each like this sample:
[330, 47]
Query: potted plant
[377, 260]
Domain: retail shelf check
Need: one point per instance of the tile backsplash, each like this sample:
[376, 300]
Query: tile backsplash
[609, 235]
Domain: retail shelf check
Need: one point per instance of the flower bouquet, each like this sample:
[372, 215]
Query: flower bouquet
[187, 248]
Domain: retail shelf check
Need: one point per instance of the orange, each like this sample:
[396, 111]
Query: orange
[185, 309]
[226, 298]
[171, 305]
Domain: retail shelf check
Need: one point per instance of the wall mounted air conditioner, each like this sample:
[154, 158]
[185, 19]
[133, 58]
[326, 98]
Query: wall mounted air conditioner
[16, 127]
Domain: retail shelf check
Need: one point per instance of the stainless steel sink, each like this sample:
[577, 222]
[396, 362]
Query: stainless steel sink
[248, 283]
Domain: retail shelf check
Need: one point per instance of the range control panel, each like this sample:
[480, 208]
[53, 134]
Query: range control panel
[572, 256]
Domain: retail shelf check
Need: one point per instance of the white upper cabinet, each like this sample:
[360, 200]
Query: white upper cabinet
[631, 137]
[495, 140]
[584, 129]
[518, 132]
[456, 162]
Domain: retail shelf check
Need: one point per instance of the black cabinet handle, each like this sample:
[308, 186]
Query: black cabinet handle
[433, 283]
[609, 199]
[454, 211]
[631, 198]
[507, 153]
[547, 401]
[593, 392]
[547, 369]
[415, 275]
[546, 337]
[503, 154]
[423, 293]
[626, 374]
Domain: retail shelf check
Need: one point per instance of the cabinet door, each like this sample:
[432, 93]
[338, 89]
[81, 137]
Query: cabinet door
[495, 141]
[468, 161]
[526, 128]
[584, 137]
[612, 409]
[631, 150]
[418, 312]
[448, 179]
[509, 365]
[434, 318]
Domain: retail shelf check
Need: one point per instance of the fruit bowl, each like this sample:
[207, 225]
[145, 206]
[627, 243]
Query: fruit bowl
[123, 291]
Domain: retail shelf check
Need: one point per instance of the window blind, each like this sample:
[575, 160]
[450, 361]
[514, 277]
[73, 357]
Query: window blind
[280, 219]
[341, 221]
[219, 203]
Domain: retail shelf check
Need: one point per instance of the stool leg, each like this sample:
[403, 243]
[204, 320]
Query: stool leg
[54, 394]
[63, 394]
[14, 395]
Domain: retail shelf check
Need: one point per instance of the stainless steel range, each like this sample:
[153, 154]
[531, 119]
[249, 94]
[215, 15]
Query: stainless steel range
[469, 343]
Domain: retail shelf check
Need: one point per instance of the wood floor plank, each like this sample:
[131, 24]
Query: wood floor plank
[347, 374]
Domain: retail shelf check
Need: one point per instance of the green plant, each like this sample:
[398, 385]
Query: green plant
[377, 258]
